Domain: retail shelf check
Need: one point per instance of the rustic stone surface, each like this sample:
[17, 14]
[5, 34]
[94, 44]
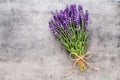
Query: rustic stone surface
[28, 50]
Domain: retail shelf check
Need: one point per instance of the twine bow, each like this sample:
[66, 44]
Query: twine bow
[81, 61]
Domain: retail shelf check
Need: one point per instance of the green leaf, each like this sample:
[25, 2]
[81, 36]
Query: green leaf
[72, 49]
[66, 45]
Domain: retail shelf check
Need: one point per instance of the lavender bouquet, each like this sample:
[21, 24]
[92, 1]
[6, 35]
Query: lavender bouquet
[70, 28]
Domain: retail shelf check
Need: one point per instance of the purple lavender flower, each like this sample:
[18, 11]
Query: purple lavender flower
[80, 8]
[52, 27]
[86, 16]
[70, 15]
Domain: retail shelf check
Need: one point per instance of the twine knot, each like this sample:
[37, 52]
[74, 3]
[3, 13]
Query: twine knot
[81, 61]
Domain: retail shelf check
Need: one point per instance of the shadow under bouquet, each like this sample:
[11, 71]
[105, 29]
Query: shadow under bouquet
[69, 26]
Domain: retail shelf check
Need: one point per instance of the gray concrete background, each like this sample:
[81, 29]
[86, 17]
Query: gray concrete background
[28, 50]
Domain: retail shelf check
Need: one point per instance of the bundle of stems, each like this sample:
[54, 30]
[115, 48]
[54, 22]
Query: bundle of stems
[70, 28]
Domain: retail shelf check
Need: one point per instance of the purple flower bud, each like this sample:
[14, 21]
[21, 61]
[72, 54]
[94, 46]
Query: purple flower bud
[80, 9]
[86, 16]
[76, 20]
[73, 11]
[51, 26]
[66, 10]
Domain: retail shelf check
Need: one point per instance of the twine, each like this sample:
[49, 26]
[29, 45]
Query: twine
[81, 61]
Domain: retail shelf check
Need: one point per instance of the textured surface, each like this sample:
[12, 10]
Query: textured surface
[28, 50]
